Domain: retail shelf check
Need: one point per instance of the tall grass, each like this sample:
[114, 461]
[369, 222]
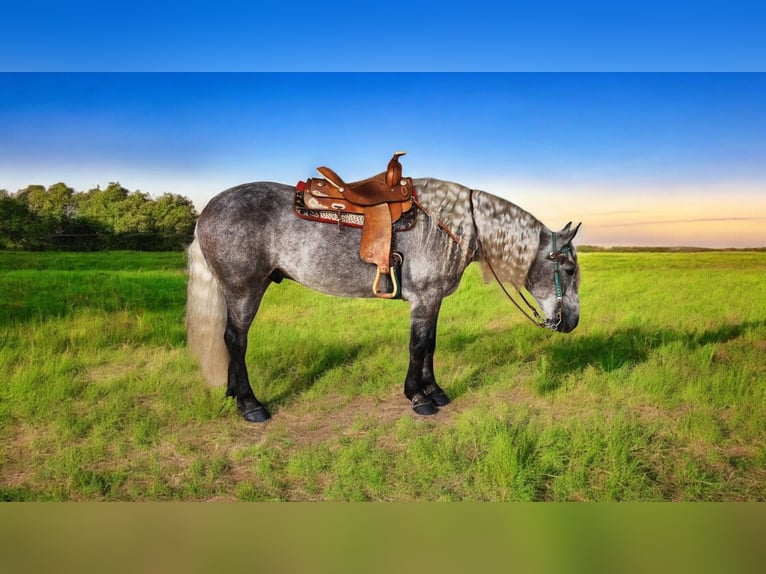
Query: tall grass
[658, 395]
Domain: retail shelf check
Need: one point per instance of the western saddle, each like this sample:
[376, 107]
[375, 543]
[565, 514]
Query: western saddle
[375, 203]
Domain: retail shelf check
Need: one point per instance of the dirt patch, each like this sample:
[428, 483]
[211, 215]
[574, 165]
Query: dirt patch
[311, 423]
[17, 445]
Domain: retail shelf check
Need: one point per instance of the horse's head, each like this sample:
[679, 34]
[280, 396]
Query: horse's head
[554, 277]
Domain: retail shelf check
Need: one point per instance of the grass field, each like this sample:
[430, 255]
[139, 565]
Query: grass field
[660, 394]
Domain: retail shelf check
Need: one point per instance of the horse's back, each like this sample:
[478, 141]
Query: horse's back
[249, 204]
[246, 203]
[250, 232]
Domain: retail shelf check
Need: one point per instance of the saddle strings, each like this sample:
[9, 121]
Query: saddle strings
[443, 227]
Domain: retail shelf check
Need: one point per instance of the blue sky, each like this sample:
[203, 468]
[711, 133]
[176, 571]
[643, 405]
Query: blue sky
[640, 158]
[417, 35]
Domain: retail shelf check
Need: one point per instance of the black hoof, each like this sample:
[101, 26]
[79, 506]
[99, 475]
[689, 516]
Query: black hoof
[439, 398]
[423, 405]
[253, 411]
[256, 415]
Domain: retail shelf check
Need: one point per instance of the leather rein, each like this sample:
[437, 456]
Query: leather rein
[535, 316]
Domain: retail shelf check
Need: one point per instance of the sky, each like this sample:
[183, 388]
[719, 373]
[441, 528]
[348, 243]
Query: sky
[639, 158]
[665, 144]
[376, 35]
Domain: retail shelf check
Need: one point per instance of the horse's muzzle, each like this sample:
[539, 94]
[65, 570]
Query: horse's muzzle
[562, 322]
[568, 323]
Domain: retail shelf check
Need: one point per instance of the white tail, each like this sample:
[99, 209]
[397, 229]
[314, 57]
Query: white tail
[206, 318]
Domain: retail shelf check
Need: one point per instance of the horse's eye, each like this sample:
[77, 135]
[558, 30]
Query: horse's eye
[570, 272]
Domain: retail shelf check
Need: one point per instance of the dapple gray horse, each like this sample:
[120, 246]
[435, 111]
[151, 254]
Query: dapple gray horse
[248, 237]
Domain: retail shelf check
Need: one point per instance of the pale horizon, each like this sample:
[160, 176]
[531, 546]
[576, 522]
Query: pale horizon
[651, 160]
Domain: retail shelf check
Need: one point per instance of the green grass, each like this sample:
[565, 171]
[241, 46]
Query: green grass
[660, 394]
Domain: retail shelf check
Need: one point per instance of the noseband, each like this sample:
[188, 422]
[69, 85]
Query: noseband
[554, 256]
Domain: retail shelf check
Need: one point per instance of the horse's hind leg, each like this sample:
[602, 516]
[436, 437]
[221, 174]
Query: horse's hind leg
[240, 316]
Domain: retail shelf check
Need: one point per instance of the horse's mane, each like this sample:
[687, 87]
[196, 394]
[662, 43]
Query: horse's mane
[447, 202]
[508, 236]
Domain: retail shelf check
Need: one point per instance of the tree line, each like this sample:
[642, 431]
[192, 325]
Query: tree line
[60, 218]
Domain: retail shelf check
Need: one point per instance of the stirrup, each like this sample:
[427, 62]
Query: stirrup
[395, 292]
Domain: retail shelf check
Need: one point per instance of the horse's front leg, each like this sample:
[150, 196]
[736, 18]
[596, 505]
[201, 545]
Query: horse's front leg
[431, 389]
[420, 385]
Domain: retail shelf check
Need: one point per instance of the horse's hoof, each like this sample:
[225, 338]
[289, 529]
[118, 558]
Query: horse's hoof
[439, 398]
[253, 411]
[423, 405]
[256, 415]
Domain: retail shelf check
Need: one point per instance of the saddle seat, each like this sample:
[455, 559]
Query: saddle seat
[381, 200]
[385, 187]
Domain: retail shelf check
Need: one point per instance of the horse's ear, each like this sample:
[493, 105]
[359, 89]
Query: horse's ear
[567, 234]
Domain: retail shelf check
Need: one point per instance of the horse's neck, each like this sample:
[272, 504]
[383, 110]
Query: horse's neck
[509, 237]
[447, 202]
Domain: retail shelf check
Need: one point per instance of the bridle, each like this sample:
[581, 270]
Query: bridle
[535, 317]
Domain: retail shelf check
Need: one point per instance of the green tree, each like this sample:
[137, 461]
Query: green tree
[54, 206]
[134, 214]
[114, 217]
[102, 205]
[19, 227]
[175, 214]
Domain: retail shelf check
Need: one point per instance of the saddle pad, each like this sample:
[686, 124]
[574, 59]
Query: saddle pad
[405, 222]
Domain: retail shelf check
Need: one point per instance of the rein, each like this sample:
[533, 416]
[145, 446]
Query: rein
[535, 317]
[537, 320]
